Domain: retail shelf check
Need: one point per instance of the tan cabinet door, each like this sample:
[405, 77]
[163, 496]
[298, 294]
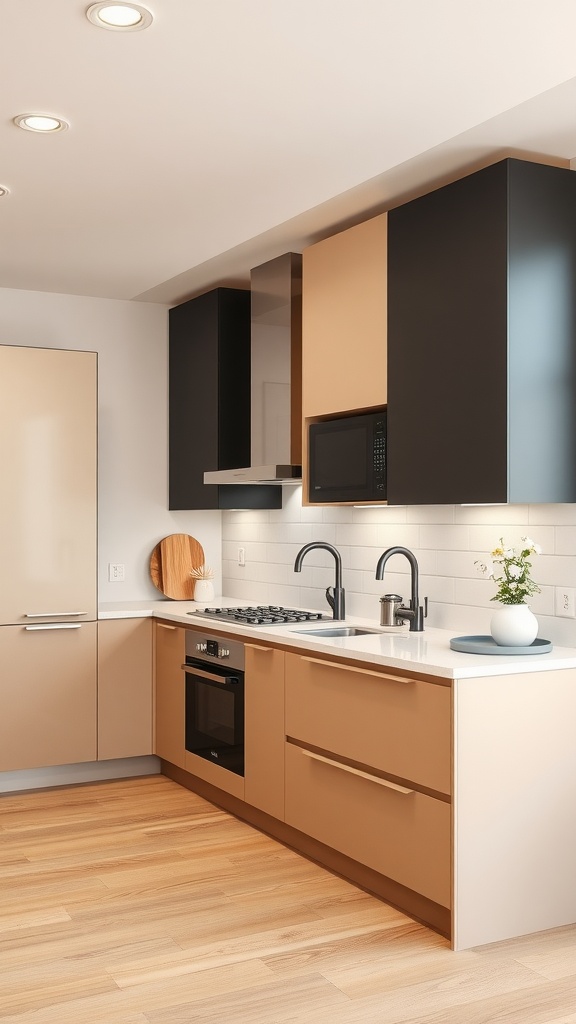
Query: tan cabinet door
[344, 320]
[48, 401]
[169, 643]
[124, 688]
[264, 729]
[403, 834]
[48, 695]
[393, 723]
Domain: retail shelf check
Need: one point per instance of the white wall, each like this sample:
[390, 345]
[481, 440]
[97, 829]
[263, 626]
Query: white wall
[131, 339]
[445, 539]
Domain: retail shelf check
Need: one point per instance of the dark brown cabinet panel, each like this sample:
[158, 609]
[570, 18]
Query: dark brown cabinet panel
[482, 339]
[209, 402]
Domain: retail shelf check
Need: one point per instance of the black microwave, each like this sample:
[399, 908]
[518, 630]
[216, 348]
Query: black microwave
[347, 458]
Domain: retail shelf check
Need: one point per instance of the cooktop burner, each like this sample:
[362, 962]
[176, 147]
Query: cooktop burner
[260, 615]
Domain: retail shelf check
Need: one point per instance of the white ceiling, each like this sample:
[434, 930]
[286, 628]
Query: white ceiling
[231, 131]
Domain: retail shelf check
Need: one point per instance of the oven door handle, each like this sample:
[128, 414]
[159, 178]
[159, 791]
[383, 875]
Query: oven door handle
[223, 680]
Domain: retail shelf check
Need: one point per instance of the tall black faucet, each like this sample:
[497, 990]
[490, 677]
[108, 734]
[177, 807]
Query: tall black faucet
[415, 614]
[334, 595]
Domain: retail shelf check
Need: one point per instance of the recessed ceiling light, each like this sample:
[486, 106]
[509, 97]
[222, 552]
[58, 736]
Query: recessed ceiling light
[46, 123]
[3, 191]
[118, 16]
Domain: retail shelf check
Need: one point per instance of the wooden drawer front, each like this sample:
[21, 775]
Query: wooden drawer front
[398, 725]
[403, 835]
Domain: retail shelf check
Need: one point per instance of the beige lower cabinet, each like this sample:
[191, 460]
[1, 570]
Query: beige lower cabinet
[48, 695]
[124, 688]
[264, 729]
[368, 769]
[169, 647]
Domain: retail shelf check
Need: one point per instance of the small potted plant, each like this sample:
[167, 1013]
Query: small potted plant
[513, 625]
[203, 587]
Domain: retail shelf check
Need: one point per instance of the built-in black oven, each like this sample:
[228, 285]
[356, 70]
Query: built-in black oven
[214, 673]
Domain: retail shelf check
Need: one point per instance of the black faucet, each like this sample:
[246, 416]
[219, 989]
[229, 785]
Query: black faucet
[334, 595]
[415, 614]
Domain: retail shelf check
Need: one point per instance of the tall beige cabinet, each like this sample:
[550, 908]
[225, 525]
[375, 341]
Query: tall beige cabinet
[48, 554]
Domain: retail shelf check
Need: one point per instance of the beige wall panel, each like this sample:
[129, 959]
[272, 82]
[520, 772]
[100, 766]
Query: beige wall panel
[344, 321]
[48, 405]
[264, 732]
[169, 646]
[124, 688]
[401, 726]
[515, 805]
[47, 695]
[403, 835]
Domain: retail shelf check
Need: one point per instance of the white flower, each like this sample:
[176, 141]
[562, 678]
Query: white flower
[515, 572]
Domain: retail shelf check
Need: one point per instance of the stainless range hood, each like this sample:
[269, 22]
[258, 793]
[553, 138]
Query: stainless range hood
[276, 376]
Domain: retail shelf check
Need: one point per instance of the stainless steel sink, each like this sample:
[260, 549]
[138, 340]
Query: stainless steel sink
[337, 631]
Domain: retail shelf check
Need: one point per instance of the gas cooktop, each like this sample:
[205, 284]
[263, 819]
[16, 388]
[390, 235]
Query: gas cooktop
[260, 615]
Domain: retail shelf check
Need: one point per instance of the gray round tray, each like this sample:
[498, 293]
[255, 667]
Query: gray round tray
[486, 645]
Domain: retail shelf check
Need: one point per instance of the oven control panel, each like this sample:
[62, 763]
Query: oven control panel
[212, 648]
[217, 648]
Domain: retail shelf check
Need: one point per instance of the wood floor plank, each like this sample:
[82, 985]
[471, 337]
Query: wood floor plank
[138, 902]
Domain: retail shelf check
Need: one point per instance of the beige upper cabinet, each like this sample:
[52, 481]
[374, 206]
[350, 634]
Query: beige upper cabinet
[344, 313]
[48, 427]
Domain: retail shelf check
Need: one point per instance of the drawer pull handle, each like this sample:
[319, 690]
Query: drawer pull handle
[162, 625]
[356, 771]
[258, 647]
[362, 671]
[55, 625]
[53, 615]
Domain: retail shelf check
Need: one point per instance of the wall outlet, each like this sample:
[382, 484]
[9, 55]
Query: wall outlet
[241, 556]
[565, 604]
[116, 572]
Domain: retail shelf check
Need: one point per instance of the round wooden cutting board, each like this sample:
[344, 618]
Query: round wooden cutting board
[170, 565]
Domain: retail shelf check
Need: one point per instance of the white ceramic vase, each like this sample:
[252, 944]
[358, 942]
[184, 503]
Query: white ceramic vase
[513, 625]
[203, 590]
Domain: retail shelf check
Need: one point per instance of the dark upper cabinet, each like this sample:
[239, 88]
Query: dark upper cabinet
[482, 339]
[209, 402]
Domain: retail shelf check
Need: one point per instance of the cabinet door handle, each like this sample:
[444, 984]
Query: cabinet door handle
[53, 615]
[258, 647]
[362, 671]
[162, 625]
[356, 771]
[54, 625]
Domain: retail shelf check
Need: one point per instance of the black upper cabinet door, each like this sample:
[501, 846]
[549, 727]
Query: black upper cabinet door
[209, 402]
[481, 339]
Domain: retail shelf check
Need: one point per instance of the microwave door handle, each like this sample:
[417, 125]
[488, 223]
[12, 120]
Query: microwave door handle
[222, 680]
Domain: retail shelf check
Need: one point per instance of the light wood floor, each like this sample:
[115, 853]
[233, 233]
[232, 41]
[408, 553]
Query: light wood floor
[136, 902]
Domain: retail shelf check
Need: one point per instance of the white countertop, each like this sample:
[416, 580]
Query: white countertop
[427, 652]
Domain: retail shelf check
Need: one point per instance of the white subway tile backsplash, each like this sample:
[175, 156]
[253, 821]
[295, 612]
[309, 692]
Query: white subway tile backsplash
[564, 540]
[430, 514]
[508, 514]
[240, 532]
[286, 532]
[389, 515]
[552, 515]
[389, 535]
[357, 533]
[446, 541]
[450, 538]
